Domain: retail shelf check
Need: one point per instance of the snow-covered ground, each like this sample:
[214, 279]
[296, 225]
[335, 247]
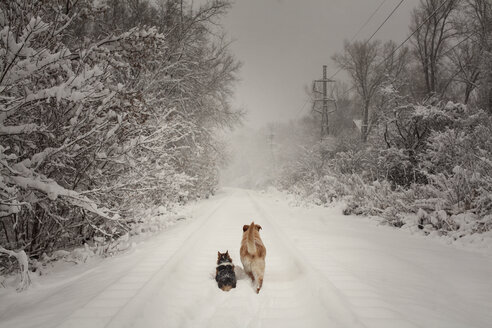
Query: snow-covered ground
[323, 269]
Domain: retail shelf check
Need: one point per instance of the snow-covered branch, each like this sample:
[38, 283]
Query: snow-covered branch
[23, 262]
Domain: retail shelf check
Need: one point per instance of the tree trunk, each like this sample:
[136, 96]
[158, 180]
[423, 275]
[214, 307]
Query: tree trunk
[365, 121]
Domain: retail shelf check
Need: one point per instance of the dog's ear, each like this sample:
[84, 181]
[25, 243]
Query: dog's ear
[245, 227]
[227, 253]
[258, 227]
[218, 254]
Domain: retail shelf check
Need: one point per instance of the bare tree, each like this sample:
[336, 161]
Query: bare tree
[469, 53]
[466, 58]
[481, 15]
[362, 60]
[432, 21]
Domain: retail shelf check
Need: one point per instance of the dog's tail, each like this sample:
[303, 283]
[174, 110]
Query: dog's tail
[251, 239]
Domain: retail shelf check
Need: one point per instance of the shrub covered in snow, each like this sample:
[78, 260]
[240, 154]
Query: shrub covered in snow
[425, 160]
[432, 172]
[105, 111]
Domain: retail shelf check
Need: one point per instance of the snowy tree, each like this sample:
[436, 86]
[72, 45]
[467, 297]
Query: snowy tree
[101, 118]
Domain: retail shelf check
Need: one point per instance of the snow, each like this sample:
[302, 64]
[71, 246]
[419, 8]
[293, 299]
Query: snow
[323, 269]
[358, 124]
[19, 129]
[53, 190]
[22, 262]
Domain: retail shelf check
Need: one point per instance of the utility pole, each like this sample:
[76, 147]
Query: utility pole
[270, 138]
[325, 129]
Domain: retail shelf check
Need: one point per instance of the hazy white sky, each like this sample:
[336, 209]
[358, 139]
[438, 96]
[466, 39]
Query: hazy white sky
[284, 43]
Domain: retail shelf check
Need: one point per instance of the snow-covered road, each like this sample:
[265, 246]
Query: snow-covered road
[323, 269]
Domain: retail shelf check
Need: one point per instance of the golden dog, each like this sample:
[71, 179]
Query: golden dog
[253, 254]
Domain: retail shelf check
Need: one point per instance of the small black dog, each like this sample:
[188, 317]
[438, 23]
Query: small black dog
[224, 274]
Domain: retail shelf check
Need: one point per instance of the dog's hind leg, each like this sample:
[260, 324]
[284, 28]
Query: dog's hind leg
[259, 272]
[260, 283]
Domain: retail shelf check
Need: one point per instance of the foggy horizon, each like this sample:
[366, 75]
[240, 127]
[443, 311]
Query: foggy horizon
[284, 44]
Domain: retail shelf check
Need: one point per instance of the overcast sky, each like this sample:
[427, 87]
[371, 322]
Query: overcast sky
[284, 43]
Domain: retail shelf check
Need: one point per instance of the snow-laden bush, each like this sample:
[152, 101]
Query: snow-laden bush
[55, 113]
[458, 166]
[427, 167]
[103, 116]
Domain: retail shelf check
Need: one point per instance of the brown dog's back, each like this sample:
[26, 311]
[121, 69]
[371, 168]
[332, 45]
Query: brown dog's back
[253, 253]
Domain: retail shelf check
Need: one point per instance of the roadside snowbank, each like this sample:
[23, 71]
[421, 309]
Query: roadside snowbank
[151, 222]
[467, 239]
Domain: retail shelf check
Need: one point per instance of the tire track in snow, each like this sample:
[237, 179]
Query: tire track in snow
[105, 309]
[185, 294]
[352, 302]
[333, 302]
[197, 302]
[174, 286]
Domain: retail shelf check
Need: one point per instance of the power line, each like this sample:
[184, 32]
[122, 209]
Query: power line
[360, 29]
[377, 30]
[452, 48]
[443, 54]
[302, 107]
[416, 30]
[399, 46]
[468, 37]
[368, 20]
[405, 41]
[384, 22]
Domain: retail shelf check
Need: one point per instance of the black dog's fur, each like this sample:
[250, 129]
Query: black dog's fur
[224, 273]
